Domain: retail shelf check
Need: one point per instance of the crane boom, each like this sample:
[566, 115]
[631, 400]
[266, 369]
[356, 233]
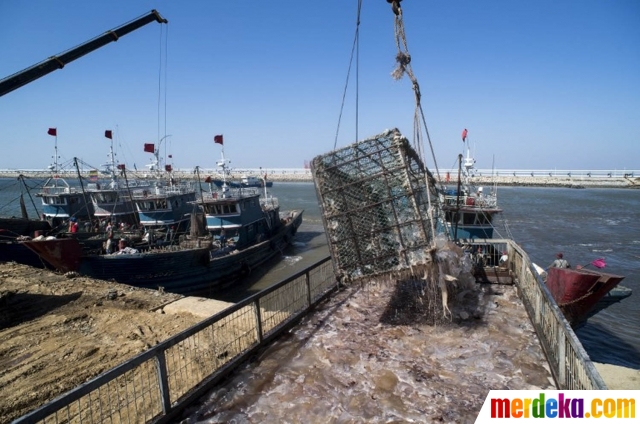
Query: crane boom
[38, 70]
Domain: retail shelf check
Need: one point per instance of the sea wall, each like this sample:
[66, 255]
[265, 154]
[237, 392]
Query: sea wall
[304, 175]
[539, 181]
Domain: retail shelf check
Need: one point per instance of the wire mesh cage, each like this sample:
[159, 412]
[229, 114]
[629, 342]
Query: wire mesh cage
[378, 207]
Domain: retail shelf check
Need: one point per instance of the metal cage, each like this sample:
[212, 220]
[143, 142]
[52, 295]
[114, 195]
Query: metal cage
[378, 207]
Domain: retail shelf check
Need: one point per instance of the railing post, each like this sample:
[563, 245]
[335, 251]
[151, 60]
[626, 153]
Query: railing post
[307, 280]
[161, 364]
[562, 358]
[258, 317]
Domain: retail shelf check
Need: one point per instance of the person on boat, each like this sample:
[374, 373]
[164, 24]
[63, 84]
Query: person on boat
[108, 247]
[480, 258]
[223, 238]
[73, 225]
[560, 262]
[169, 235]
[504, 259]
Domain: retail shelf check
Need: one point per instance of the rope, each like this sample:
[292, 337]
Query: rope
[403, 59]
[354, 48]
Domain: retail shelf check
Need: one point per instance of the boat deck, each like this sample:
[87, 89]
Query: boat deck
[367, 355]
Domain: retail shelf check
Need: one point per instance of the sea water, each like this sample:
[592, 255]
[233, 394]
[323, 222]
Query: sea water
[584, 224]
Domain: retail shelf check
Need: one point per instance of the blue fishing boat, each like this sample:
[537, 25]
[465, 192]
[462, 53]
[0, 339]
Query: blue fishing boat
[167, 203]
[231, 232]
[60, 200]
[241, 232]
[468, 210]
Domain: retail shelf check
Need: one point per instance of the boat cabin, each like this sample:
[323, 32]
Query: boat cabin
[162, 206]
[60, 201]
[239, 217]
[469, 215]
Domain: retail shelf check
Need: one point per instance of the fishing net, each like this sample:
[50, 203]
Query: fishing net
[375, 197]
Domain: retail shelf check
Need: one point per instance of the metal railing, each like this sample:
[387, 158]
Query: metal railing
[570, 364]
[155, 385]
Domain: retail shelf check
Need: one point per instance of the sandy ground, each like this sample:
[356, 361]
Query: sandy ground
[619, 378]
[57, 333]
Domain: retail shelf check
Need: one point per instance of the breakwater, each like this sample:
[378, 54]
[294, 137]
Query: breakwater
[601, 179]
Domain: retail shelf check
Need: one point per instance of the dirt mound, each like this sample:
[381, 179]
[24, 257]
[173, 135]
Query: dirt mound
[57, 332]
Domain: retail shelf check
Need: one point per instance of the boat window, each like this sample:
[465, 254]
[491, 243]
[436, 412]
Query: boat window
[484, 218]
[228, 209]
[468, 218]
[147, 206]
[450, 216]
[59, 200]
[106, 197]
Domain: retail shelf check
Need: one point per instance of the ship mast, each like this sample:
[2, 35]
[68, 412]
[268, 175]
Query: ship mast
[112, 167]
[469, 161]
[222, 164]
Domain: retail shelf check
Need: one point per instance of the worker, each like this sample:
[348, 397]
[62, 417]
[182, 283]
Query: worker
[560, 262]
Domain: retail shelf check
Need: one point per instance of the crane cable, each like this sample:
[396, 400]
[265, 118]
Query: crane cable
[403, 59]
[354, 52]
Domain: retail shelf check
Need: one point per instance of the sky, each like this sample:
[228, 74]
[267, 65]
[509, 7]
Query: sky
[538, 84]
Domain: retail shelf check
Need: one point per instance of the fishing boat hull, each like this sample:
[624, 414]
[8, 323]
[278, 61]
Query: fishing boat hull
[15, 251]
[187, 271]
[11, 227]
[577, 291]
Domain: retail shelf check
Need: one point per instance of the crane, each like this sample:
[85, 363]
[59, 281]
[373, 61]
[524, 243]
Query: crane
[49, 65]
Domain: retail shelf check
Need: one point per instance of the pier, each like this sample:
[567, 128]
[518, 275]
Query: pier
[355, 351]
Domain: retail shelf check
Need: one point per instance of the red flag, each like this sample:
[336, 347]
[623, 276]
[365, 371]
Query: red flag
[464, 135]
[108, 134]
[52, 131]
[149, 147]
[167, 168]
[218, 139]
[208, 179]
[121, 166]
[599, 263]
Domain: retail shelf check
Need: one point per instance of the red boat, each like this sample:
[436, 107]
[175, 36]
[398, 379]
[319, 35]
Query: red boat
[577, 291]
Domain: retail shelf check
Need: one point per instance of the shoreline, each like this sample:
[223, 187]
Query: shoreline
[305, 176]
